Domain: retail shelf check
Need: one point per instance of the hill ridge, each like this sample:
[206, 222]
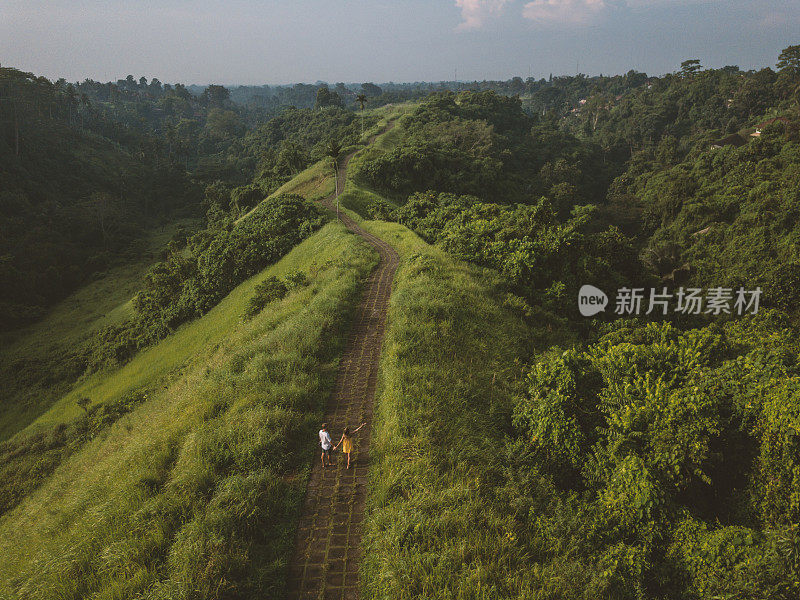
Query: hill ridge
[327, 552]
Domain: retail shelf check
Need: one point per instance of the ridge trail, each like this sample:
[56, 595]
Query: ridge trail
[327, 552]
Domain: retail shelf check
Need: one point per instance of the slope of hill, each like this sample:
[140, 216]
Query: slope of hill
[519, 450]
[39, 363]
[214, 420]
[642, 458]
[193, 491]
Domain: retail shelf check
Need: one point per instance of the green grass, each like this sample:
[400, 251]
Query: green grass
[35, 363]
[192, 488]
[385, 142]
[362, 201]
[317, 181]
[438, 525]
[314, 183]
[358, 199]
[435, 527]
[196, 491]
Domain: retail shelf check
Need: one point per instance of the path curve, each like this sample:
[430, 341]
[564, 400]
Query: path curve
[327, 551]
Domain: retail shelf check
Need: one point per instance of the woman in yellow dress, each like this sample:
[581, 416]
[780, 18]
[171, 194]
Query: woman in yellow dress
[347, 442]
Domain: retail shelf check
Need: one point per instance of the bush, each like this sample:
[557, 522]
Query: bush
[653, 424]
[245, 197]
[295, 280]
[267, 291]
[543, 257]
[379, 208]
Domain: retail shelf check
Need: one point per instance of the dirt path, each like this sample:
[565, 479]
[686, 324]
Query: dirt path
[327, 551]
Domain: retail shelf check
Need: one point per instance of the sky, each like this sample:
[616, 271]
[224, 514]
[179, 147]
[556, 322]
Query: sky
[287, 41]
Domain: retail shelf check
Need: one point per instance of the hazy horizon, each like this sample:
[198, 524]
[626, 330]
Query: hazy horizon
[245, 42]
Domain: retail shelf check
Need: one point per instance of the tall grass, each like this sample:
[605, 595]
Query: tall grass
[435, 527]
[196, 491]
[314, 183]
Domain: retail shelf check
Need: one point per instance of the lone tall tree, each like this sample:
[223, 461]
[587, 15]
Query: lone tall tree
[690, 67]
[789, 60]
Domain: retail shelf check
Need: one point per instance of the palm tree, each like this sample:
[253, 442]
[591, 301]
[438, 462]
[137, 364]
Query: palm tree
[334, 150]
[362, 99]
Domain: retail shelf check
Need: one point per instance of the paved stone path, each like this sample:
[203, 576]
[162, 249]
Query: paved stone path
[327, 551]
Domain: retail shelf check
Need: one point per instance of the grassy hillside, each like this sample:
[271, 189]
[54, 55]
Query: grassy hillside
[435, 526]
[314, 183]
[193, 493]
[38, 363]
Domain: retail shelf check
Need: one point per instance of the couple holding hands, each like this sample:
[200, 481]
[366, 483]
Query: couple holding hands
[346, 443]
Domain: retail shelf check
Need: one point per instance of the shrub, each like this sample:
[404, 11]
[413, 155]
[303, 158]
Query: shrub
[295, 280]
[654, 424]
[543, 257]
[267, 291]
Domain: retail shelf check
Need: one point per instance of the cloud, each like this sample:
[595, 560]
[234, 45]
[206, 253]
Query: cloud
[581, 12]
[564, 12]
[475, 12]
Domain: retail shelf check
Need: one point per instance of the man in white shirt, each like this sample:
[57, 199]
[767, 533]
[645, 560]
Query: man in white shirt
[325, 442]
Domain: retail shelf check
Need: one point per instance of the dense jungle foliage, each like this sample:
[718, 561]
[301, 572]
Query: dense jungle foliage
[657, 458]
[484, 144]
[663, 463]
[540, 255]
